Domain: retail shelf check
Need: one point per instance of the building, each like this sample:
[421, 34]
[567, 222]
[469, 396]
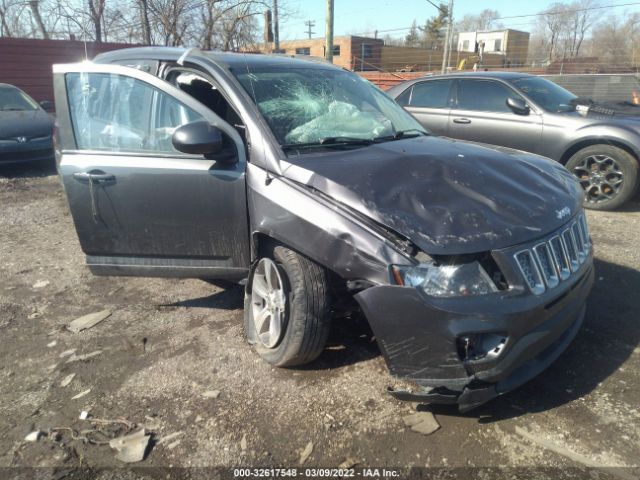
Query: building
[352, 52]
[511, 45]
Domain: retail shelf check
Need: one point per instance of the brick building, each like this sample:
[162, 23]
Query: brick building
[352, 52]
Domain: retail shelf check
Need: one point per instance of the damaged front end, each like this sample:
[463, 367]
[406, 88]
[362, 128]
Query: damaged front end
[466, 329]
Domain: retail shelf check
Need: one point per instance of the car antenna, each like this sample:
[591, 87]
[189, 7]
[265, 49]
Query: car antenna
[268, 178]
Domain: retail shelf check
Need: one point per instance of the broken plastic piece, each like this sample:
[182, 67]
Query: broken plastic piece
[211, 394]
[422, 422]
[306, 452]
[131, 448]
[67, 380]
[33, 436]
[88, 321]
[81, 394]
[86, 356]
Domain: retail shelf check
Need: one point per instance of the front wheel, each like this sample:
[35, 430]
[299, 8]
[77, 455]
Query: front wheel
[286, 308]
[608, 175]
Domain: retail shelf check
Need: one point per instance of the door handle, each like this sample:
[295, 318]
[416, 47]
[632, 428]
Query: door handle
[461, 120]
[97, 177]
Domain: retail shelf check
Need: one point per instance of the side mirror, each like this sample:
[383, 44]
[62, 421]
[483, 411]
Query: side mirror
[47, 105]
[518, 106]
[197, 138]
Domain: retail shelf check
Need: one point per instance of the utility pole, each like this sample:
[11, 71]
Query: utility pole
[276, 27]
[447, 40]
[328, 33]
[450, 49]
[310, 24]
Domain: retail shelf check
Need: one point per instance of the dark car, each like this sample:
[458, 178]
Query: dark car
[601, 87]
[529, 113]
[322, 196]
[25, 128]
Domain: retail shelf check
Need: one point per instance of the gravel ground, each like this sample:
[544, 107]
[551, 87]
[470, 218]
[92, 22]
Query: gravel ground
[168, 341]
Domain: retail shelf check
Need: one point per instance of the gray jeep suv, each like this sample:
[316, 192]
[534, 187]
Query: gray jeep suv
[600, 147]
[322, 196]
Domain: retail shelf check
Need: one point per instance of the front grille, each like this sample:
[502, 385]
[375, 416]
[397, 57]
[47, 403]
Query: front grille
[554, 260]
[26, 155]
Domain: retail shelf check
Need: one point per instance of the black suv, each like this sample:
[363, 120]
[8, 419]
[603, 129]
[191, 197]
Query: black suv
[316, 191]
[597, 144]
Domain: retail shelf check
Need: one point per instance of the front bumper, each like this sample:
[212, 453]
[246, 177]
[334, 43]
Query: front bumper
[417, 335]
[29, 151]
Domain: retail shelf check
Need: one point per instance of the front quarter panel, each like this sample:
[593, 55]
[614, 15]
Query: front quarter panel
[301, 220]
[563, 132]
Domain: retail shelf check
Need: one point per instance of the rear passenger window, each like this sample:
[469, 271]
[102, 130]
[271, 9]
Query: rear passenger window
[431, 94]
[403, 98]
[123, 114]
[484, 96]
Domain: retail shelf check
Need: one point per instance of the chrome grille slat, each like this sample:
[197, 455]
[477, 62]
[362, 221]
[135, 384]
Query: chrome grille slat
[546, 264]
[530, 271]
[560, 257]
[585, 231]
[552, 261]
[577, 238]
[570, 248]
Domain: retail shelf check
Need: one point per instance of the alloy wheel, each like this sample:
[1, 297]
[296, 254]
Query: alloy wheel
[268, 303]
[600, 177]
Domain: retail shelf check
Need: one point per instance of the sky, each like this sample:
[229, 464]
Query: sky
[365, 16]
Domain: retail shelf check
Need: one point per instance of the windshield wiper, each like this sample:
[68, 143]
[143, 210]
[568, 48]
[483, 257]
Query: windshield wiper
[329, 142]
[410, 133]
[345, 140]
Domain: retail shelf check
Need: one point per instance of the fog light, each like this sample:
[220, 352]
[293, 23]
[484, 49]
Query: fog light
[480, 346]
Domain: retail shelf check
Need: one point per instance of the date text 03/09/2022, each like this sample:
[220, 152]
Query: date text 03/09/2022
[315, 473]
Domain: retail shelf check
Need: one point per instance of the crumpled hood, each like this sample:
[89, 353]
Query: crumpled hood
[32, 123]
[447, 196]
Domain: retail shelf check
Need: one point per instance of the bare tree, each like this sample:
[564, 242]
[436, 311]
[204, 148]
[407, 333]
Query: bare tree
[580, 21]
[96, 13]
[34, 5]
[143, 6]
[6, 8]
[551, 25]
[612, 40]
[224, 24]
[485, 20]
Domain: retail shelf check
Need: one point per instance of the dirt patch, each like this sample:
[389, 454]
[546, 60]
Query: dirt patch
[169, 341]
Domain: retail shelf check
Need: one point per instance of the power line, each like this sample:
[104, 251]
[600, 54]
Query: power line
[561, 12]
[540, 14]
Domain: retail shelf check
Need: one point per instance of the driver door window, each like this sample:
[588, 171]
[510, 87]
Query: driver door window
[481, 114]
[122, 114]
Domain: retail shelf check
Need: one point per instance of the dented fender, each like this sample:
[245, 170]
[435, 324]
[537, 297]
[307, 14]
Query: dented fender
[317, 228]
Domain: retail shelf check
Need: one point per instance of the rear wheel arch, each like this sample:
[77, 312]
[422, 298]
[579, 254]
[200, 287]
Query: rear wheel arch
[590, 142]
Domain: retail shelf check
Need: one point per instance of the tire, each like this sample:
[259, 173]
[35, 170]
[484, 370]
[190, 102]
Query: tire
[306, 313]
[608, 174]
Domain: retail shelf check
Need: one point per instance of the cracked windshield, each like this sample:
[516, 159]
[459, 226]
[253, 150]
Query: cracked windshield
[311, 107]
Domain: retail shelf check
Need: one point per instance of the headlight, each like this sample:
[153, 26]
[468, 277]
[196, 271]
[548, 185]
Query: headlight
[447, 280]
